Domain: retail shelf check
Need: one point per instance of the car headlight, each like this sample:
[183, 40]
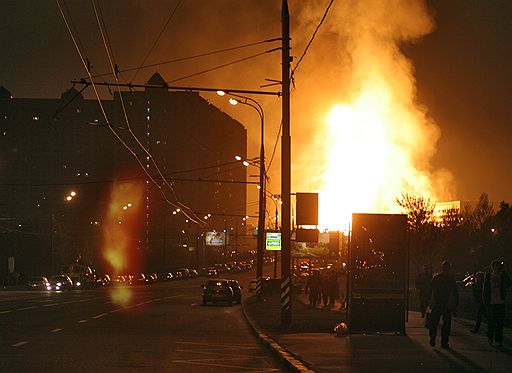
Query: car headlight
[59, 283]
[57, 287]
[48, 287]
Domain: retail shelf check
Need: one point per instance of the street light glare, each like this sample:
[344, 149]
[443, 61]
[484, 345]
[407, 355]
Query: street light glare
[245, 163]
[73, 193]
[221, 93]
[238, 158]
[232, 101]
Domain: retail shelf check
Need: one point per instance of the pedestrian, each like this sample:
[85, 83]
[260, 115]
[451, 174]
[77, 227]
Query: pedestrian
[494, 295]
[314, 288]
[444, 301]
[422, 284]
[476, 287]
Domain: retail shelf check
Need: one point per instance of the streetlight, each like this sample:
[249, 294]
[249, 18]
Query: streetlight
[234, 100]
[68, 198]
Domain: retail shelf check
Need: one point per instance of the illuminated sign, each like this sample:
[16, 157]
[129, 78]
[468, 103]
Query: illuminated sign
[215, 239]
[273, 241]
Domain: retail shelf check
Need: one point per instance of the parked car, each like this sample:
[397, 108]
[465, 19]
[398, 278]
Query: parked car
[60, 282]
[103, 280]
[217, 291]
[38, 283]
[237, 290]
[167, 276]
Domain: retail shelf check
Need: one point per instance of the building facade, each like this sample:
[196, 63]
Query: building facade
[145, 168]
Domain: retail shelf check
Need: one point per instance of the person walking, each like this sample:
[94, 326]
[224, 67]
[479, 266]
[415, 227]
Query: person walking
[494, 295]
[478, 282]
[422, 283]
[444, 301]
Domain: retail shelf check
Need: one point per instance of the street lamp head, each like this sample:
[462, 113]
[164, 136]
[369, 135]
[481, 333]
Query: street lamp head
[238, 158]
[221, 93]
[232, 101]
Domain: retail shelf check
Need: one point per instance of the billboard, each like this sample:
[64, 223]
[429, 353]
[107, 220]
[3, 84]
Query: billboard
[216, 239]
[273, 241]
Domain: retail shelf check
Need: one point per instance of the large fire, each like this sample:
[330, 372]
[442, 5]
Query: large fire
[379, 142]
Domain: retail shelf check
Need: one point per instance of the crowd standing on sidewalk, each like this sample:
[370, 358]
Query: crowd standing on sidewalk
[325, 287]
[489, 293]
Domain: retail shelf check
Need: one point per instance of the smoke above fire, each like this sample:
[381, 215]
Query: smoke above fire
[372, 140]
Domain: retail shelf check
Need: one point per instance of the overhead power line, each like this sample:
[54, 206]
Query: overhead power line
[156, 40]
[182, 59]
[311, 40]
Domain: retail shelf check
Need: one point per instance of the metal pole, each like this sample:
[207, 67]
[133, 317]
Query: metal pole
[275, 252]
[261, 214]
[286, 301]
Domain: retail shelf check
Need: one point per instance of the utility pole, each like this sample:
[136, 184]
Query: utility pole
[286, 295]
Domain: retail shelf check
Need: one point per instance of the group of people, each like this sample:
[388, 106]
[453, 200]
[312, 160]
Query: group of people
[439, 298]
[325, 287]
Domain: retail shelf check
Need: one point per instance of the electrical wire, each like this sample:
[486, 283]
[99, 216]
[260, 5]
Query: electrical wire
[311, 40]
[223, 65]
[275, 147]
[156, 40]
[86, 66]
[162, 178]
[182, 59]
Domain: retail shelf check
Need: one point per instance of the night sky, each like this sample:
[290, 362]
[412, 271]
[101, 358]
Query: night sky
[462, 68]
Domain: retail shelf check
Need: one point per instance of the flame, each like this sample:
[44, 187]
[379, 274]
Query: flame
[378, 142]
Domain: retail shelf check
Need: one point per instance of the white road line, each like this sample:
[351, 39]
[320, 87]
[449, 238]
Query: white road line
[51, 305]
[82, 321]
[116, 310]
[26, 308]
[8, 311]
[56, 330]
[100, 315]
[140, 304]
[19, 344]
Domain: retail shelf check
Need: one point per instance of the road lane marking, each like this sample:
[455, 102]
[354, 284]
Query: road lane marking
[204, 362]
[8, 311]
[82, 321]
[116, 310]
[51, 305]
[19, 344]
[100, 315]
[26, 308]
[140, 304]
[56, 330]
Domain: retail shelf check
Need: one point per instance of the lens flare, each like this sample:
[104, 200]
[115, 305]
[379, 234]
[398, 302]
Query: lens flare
[121, 225]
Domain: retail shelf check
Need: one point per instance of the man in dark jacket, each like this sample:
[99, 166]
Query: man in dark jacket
[476, 288]
[444, 301]
[494, 294]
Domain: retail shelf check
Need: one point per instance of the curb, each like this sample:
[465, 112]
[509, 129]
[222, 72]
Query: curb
[287, 357]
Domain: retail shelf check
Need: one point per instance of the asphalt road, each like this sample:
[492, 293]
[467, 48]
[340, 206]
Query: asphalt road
[160, 328]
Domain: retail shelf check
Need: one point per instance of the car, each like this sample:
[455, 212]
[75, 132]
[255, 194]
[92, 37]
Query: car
[60, 282]
[103, 280]
[217, 291]
[37, 283]
[237, 290]
[167, 276]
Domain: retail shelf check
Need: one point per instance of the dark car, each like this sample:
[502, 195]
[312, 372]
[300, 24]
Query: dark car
[218, 291]
[60, 282]
[237, 290]
[38, 283]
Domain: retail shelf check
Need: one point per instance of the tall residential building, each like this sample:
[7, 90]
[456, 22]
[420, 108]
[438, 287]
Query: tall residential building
[109, 157]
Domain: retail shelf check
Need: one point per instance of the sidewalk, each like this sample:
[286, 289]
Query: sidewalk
[309, 344]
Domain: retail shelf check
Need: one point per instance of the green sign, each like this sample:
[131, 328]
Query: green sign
[273, 241]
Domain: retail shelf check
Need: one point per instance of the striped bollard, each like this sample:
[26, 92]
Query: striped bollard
[286, 300]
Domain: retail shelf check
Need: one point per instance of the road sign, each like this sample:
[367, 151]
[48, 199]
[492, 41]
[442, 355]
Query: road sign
[273, 241]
